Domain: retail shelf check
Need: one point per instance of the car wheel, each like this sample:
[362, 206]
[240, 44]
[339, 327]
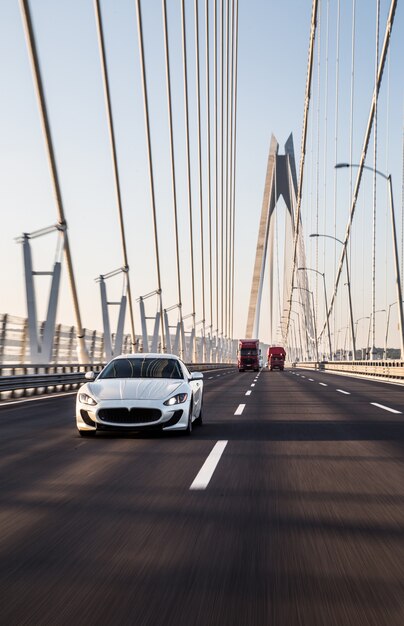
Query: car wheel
[199, 419]
[188, 430]
[87, 433]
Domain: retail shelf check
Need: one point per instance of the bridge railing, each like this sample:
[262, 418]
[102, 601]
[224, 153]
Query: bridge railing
[387, 370]
[14, 344]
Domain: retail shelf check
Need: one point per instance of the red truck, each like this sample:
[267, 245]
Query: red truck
[276, 358]
[248, 355]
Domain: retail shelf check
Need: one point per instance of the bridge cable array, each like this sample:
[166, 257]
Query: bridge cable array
[214, 193]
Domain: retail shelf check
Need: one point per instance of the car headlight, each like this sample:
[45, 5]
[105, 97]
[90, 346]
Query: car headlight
[84, 398]
[178, 399]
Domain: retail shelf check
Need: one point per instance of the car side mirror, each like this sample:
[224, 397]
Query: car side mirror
[89, 375]
[196, 376]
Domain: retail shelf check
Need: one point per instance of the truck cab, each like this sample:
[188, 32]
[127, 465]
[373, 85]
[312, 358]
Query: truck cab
[248, 355]
[276, 358]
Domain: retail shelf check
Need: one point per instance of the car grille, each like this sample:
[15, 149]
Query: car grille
[129, 416]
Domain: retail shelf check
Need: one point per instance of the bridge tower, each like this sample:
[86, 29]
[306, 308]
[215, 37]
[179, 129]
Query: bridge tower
[280, 180]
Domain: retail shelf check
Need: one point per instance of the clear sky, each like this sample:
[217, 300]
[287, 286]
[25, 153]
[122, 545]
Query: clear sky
[273, 45]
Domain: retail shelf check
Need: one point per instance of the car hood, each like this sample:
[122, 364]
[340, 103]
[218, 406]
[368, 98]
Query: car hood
[133, 388]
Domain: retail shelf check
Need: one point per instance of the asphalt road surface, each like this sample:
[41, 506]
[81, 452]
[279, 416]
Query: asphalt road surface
[285, 508]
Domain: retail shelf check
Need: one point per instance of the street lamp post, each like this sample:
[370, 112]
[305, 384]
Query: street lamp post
[300, 334]
[348, 278]
[368, 350]
[284, 320]
[337, 342]
[314, 318]
[356, 329]
[295, 338]
[395, 247]
[310, 269]
[305, 320]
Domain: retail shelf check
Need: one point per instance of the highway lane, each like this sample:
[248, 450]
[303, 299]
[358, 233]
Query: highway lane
[301, 522]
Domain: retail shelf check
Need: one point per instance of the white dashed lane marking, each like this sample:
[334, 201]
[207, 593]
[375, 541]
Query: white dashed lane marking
[347, 393]
[323, 384]
[248, 393]
[239, 409]
[386, 408]
[206, 472]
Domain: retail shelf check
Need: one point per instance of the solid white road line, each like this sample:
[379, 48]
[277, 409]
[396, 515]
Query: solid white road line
[37, 399]
[323, 384]
[239, 409]
[248, 393]
[386, 408]
[204, 475]
[347, 393]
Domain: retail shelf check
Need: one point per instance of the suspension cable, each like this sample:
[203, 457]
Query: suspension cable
[208, 168]
[336, 118]
[188, 160]
[325, 152]
[303, 149]
[173, 176]
[198, 109]
[36, 71]
[351, 129]
[227, 224]
[386, 275]
[383, 55]
[111, 130]
[374, 203]
[231, 243]
[221, 170]
[216, 167]
[150, 163]
[318, 154]
[234, 166]
[402, 213]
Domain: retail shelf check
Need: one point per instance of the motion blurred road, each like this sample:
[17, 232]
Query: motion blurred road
[301, 521]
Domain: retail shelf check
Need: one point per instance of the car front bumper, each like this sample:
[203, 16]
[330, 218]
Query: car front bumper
[131, 415]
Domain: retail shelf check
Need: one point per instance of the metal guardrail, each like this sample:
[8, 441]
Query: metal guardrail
[45, 379]
[386, 370]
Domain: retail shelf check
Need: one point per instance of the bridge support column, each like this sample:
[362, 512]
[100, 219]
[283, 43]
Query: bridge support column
[41, 347]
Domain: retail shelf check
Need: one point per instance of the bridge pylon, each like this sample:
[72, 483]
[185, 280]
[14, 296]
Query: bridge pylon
[280, 180]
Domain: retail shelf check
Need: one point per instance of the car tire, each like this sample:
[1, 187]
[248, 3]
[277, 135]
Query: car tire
[188, 430]
[199, 419]
[87, 433]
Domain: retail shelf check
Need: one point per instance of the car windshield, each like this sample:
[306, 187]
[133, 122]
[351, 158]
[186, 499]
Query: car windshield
[142, 368]
[248, 352]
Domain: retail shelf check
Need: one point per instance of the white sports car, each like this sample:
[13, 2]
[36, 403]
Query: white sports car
[137, 392]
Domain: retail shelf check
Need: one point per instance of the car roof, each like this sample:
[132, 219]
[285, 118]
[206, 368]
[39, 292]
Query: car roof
[149, 355]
